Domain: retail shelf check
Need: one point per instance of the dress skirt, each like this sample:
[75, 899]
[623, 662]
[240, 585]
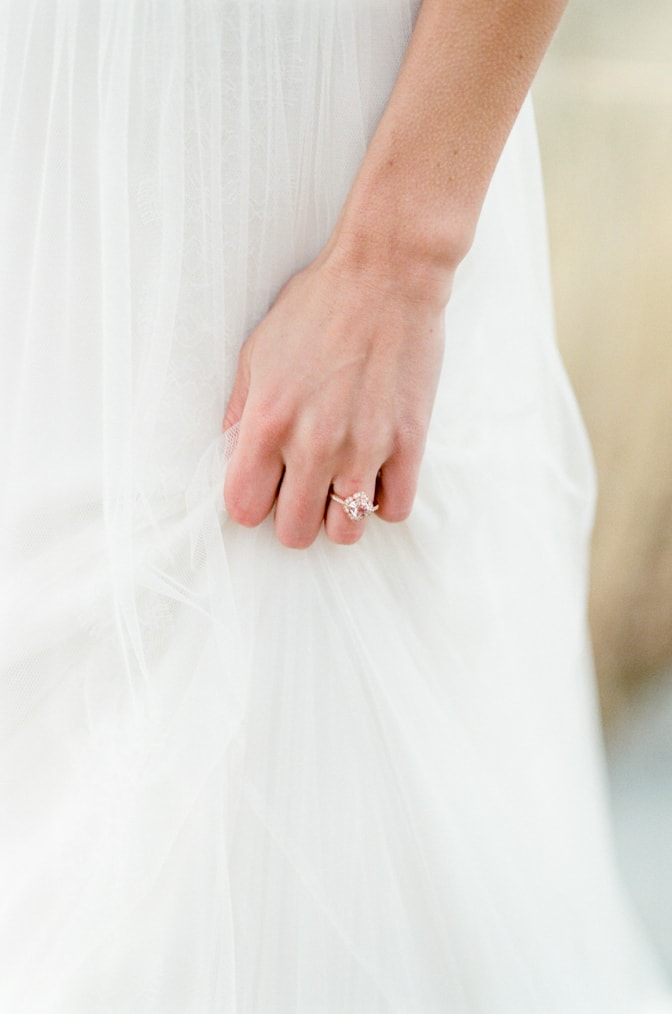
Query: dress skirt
[237, 778]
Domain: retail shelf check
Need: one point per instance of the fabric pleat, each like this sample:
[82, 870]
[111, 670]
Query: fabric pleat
[237, 778]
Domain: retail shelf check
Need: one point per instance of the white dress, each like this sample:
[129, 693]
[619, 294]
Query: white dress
[237, 778]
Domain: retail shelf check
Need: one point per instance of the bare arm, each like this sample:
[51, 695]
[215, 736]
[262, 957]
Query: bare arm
[468, 68]
[336, 385]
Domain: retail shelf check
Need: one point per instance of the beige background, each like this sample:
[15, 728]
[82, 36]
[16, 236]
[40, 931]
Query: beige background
[604, 110]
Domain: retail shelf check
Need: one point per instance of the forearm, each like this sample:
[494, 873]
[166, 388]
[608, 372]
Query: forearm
[416, 200]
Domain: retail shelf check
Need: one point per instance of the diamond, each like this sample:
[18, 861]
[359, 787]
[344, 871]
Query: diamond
[358, 506]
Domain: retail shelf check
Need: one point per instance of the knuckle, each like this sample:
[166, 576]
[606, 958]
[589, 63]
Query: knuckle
[246, 518]
[370, 439]
[345, 536]
[270, 427]
[318, 444]
[359, 479]
[242, 509]
[294, 538]
[243, 514]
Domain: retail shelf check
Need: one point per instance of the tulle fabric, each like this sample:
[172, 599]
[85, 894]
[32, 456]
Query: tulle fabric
[236, 778]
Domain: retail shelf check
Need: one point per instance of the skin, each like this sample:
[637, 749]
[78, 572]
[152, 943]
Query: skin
[335, 386]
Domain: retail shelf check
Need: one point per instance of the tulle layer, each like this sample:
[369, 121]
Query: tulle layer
[236, 778]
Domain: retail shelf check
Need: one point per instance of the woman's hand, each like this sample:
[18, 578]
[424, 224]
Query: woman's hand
[334, 390]
[335, 387]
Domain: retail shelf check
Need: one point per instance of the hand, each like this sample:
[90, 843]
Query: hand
[334, 390]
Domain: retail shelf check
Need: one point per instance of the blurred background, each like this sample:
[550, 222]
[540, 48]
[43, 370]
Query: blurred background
[604, 111]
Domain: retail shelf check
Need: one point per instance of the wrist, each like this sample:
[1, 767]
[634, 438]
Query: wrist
[398, 242]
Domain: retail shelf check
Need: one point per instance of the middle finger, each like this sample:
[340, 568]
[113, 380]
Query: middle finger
[299, 511]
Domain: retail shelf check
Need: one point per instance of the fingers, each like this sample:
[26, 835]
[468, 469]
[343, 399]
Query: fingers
[252, 478]
[257, 479]
[271, 467]
[392, 491]
[255, 469]
[397, 486]
[299, 511]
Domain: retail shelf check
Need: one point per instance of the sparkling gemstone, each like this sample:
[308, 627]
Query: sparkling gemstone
[358, 506]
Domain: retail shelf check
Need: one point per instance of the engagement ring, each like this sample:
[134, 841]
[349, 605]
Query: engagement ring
[357, 507]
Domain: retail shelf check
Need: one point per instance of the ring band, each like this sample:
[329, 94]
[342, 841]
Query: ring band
[357, 507]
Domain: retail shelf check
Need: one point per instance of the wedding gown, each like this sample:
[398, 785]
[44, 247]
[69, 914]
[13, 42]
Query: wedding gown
[238, 778]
